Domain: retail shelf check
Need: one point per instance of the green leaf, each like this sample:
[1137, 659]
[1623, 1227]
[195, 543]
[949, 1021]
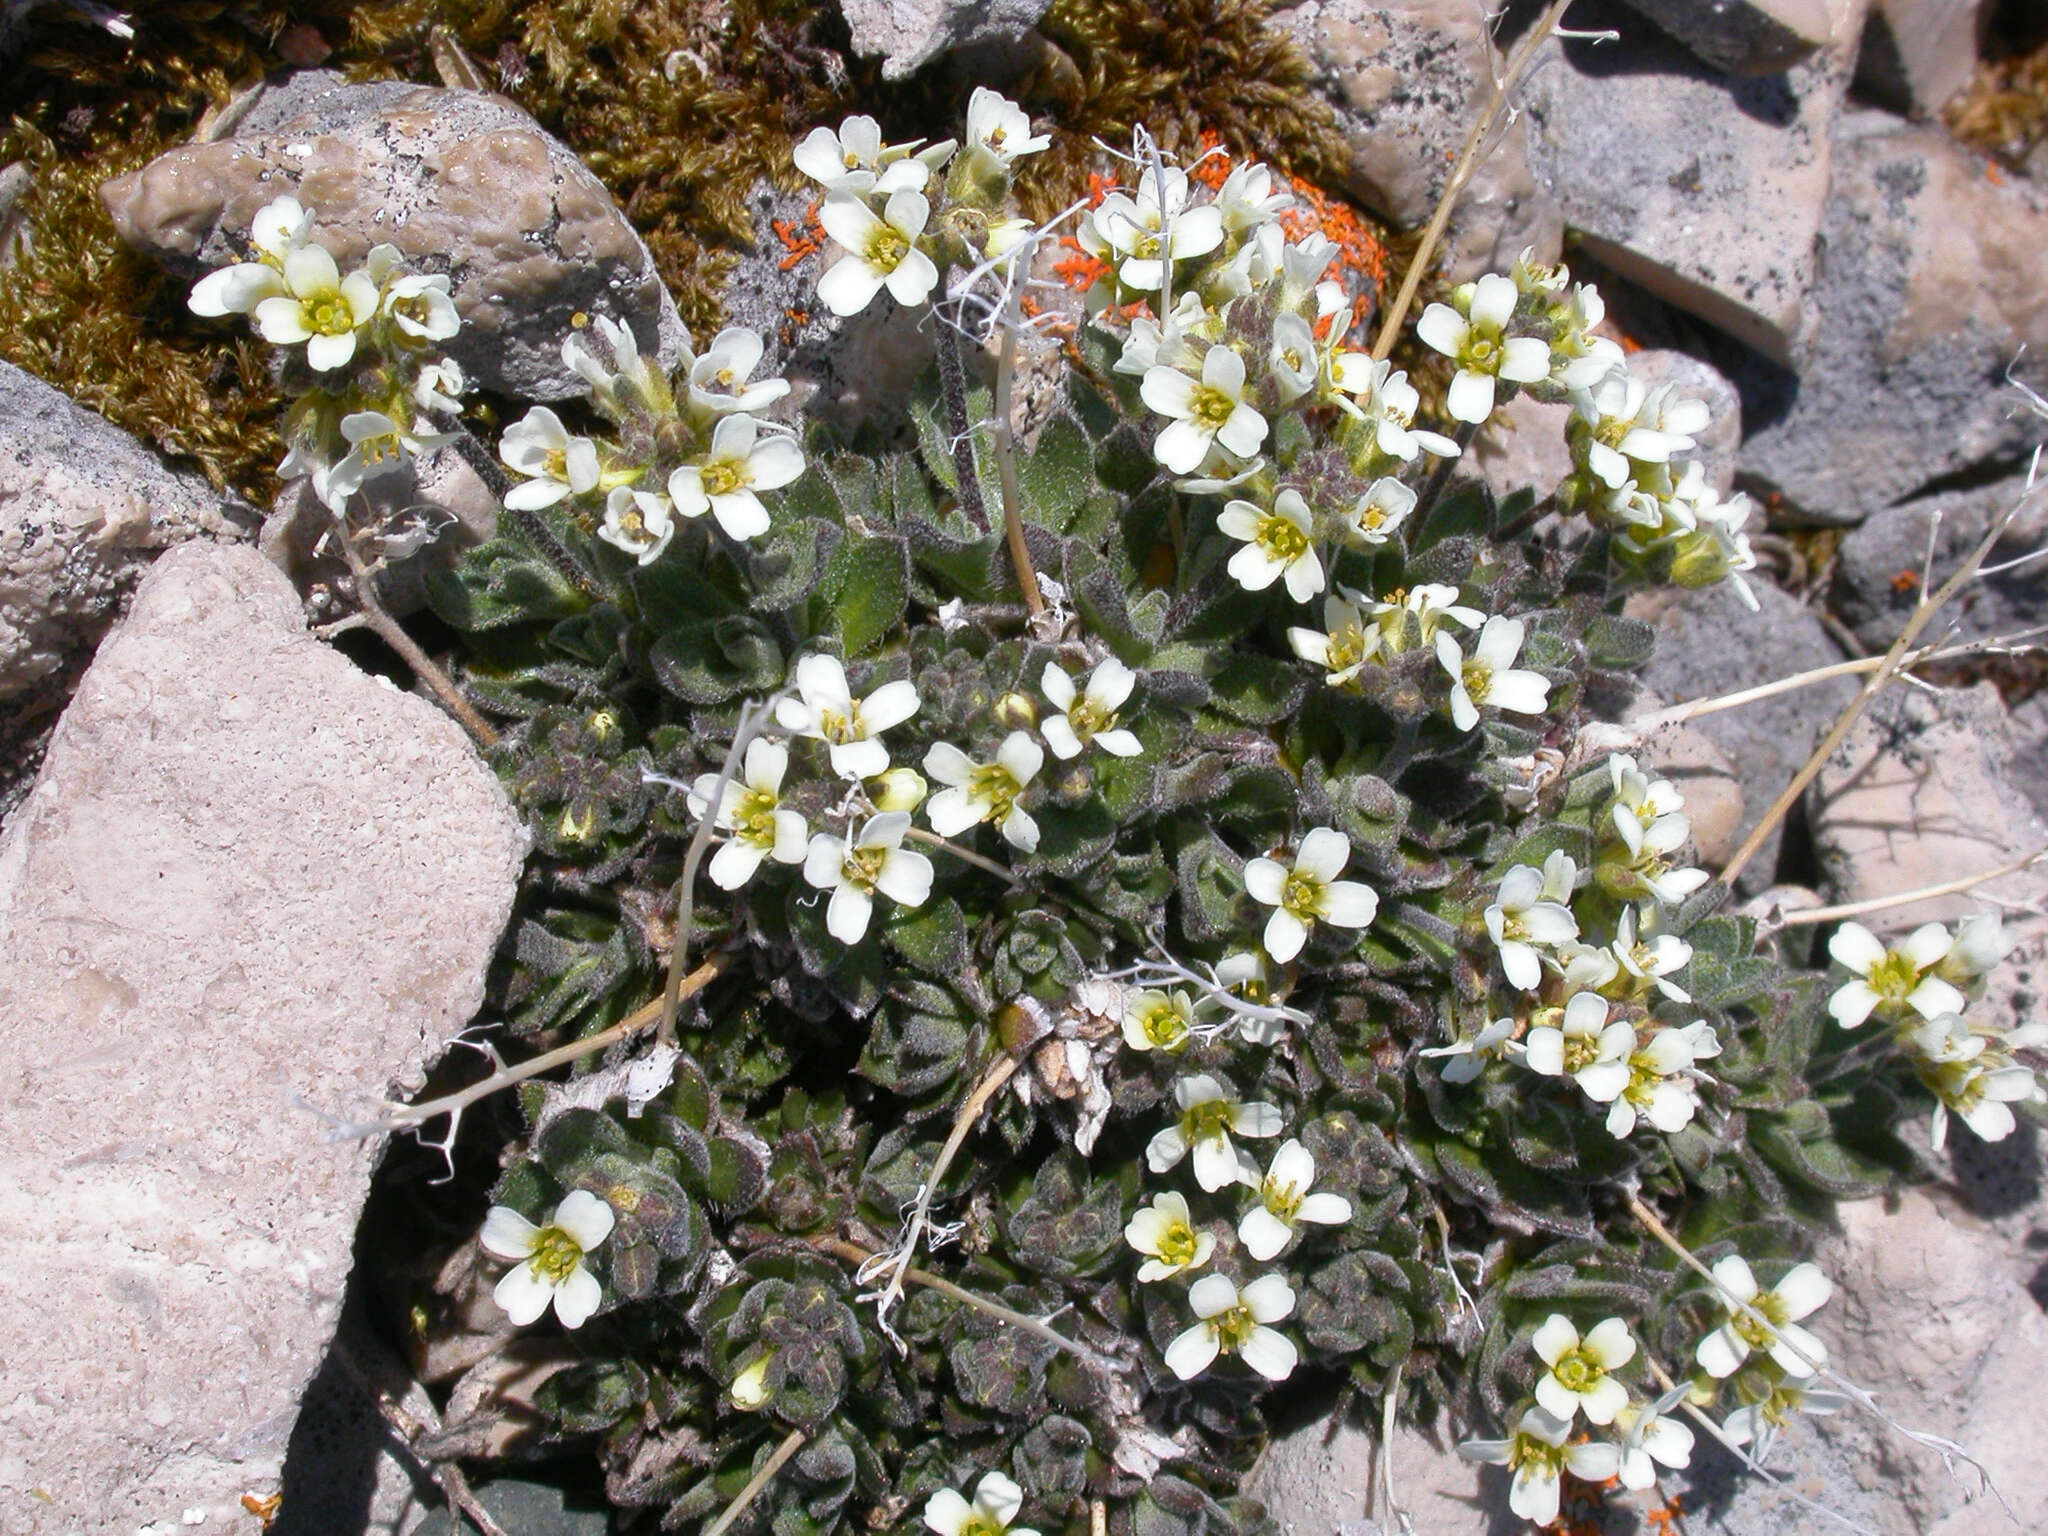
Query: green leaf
[711, 663]
[1059, 474]
[869, 584]
[932, 937]
[500, 583]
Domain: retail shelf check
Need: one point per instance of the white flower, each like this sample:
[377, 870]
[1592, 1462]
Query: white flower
[419, 305]
[623, 381]
[1890, 982]
[1378, 514]
[718, 379]
[1981, 942]
[1474, 340]
[1771, 1322]
[279, 228]
[1217, 410]
[997, 1502]
[549, 1260]
[1209, 1114]
[854, 871]
[378, 446]
[1429, 605]
[1285, 1201]
[827, 711]
[1127, 229]
[1347, 646]
[319, 307]
[1972, 1074]
[1660, 1088]
[440, 386]
[1632, 422]
[1539, 1457]
[1309, 892]
[1578, 1379]
[741, 462]
[1295, 363]
[1582, 1046]
[750, 808]
[998, 128]
[1243, 975]
[1579, 359]
[1387, 404]
[1530, 914]
[978, 792]
[639, 522]
[856, 160]
[1647, 961]
[1651, 1438]
[899, 789]
[1759, 1423]
[1235, 1322]
[540, 447]
[1473, 1052]
[1164, 1231]
[1489, 676]
[881, 252]
[1279, 544]
[1246, 200]
[1158, 1021]
[1089, 715]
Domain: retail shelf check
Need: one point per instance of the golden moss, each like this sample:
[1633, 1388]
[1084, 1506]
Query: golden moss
[2004, 109]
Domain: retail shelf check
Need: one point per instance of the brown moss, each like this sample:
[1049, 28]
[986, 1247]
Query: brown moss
[2004, 109]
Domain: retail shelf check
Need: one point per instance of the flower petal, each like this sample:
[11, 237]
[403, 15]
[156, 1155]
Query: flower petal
[585, 1217]
[523, 1294]
[577, 1297]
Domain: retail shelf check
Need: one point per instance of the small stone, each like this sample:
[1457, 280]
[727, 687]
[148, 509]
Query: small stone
[909, 33]
[252, 883]
[1522, 447]
[1408, 81]
[1708, 644]
[461, 182]
[1933, 286]
[1919, 53]
[1745, 37]
[1321, 1480]
[1704, 189]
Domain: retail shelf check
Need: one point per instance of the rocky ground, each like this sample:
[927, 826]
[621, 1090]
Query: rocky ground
[245, 884]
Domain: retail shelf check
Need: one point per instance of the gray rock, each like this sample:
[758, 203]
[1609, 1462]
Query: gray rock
[1919, 53]
[1931, 286]
[1706, 190]
[1745, 37]
[1322, 1480]
[460, 181]
[1522, 447]
[1880, 563]
[251, 878]
[909, 33]
[84, 509]
[1408, 80]
[1709, 644]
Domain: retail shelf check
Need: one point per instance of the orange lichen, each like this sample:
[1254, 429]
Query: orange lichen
[801, 241]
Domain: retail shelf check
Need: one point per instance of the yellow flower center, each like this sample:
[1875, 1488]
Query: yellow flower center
[1178, 1245]
[1478, 680]
[1283, 1200]
[329, 314]
[994, 787]
[1894, 977]
[1302, 895]
[1089, 718]
[864, 866]
[886, 249]
[1210, 408]
[1161, 1024]
[1482, 354]
[1281, 539]
[1580, 1052]
[1207, 1120]
[1234, 1328]
[555, 1255]
[754, 817]
[723, 477]
[1578, 1371]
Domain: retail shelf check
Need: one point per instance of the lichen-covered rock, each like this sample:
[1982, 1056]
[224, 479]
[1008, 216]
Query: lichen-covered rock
[1705, 189]
[1932, 287]
[462, 182]
[1745, 37]
[251, 878]
[84, 509]
[1408, 80]
[909, 33]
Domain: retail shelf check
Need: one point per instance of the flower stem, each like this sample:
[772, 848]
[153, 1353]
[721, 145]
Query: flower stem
[953, 388]
[791, 1444]
[1879, 903]
[1000, 871]
[1006, 451]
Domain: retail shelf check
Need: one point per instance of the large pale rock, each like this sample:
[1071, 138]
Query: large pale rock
[1705, 189]
[1919, 53]
[84, 509]
[1745, 37]
[250, 878]
[1932, 286]
[909, 33]
[1918, 793]
[462, 182]
[1409, 79]
[1324, 1480]
[1708, 644]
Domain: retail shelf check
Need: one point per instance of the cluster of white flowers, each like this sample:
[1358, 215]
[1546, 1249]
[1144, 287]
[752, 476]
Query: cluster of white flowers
[879, 201]
[1920, 988]
[867, 857]
[1596, 1032]
[703, 449]
[369, 340]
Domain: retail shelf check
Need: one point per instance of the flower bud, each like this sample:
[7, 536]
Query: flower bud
[750, 1388]
[900, 789]
[1699, 560]
[1017, 712]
